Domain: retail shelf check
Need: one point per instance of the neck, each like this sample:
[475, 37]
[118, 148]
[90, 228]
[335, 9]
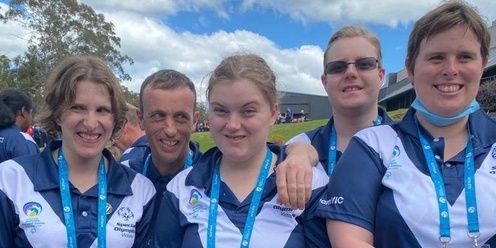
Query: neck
[348, 123]
[241, 177]
[455, 135]
[83, 173]
[167, 168]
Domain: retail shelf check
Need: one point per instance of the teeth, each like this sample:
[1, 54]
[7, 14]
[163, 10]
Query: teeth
[351, 89]
[448, 88]
[88, 136]
[169, 142]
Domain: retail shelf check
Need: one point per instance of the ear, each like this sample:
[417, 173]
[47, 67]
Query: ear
[323, 80]
[196, 116]
[274, 113]
[23, 112]
[382, 72]
[410, 73]
[140, 119]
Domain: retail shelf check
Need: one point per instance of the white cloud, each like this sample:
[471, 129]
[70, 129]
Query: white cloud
[13, 37]
[161, 7]
[154, 46]
[386, 12]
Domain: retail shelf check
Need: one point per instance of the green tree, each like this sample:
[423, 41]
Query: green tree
[60, 28]
[203, 109]
[131, 97]
[6, 78]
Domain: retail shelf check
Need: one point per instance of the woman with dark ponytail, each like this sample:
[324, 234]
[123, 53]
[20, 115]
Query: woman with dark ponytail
[15, 119]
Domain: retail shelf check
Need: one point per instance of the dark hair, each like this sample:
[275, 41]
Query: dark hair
[11, 102]
[166, 79]
[448, 15]
[61, 90]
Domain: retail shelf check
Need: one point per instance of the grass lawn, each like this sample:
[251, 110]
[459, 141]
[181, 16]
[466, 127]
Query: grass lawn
[282, 132]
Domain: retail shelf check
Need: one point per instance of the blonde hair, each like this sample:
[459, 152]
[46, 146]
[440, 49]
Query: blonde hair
[248, 66]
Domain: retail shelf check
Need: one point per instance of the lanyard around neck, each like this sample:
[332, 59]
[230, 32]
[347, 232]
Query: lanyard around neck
[252, 212]
[333, 145]
[469, 184]
[67, 202]
[187, 163]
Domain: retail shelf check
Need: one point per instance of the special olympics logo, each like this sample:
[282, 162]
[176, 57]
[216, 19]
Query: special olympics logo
[32, 209]
[125, 213]
[195, 196]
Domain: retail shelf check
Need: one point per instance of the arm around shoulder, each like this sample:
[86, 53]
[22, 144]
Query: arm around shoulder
[342, 235]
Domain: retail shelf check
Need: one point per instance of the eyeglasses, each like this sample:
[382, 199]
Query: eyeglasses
[363, 64]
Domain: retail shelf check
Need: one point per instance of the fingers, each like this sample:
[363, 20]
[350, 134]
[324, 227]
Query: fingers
[282, 190]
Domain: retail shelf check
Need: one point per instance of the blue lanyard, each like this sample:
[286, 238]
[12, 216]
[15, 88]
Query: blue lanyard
[333, 145]
[252, 212]
[469, 184]
[187, 163]
[67, 202]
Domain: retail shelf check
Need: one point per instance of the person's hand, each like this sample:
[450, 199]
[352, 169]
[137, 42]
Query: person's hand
[294, 175]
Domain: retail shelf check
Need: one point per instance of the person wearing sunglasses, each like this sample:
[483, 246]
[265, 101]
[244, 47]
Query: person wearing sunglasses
[427, 181]
[352, 77]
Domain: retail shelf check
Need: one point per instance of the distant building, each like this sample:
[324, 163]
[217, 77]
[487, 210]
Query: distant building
[314, 107]
[398, 91]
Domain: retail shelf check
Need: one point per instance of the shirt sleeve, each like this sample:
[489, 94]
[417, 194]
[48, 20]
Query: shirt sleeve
[354, 187]
[8, 221]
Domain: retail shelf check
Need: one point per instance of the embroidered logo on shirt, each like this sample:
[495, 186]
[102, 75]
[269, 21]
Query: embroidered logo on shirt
[32, 209]
[108, 208]
[194, 197]
[393, 165]
[125, 213]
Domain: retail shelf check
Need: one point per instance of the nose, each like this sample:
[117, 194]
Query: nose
[91, 121]
[351, 71]
[450, 67]
[170, 128]
[233, 122]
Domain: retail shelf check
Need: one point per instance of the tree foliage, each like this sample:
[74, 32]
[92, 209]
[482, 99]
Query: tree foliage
[487, 97]
[203, 109]
[57, 29]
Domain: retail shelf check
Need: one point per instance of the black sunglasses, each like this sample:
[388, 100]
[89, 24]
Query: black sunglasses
[363, 64]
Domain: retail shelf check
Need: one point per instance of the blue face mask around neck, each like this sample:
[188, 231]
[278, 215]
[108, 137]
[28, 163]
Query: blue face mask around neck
[443, 121]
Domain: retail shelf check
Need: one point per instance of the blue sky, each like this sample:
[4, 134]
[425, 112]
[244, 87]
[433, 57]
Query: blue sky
[193, 36]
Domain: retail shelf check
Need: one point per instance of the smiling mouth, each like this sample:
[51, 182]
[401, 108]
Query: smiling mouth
[89, 136]
[354, 88]
[235, 138]
[169, 142]
[448, 88]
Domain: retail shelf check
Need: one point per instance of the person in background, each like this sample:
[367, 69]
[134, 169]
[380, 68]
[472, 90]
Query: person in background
[230, 196]
[428, 180]
[132, 141]
[74, 194]
[16, 109]
[352, 77]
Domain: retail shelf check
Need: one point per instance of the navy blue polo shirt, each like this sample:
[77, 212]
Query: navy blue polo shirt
[137, 151]
[182, 218]
[15, 143]
[31, 212]
[319, 139]
[160, 181]
[382, 183]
